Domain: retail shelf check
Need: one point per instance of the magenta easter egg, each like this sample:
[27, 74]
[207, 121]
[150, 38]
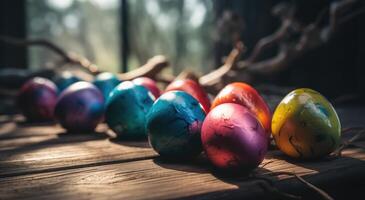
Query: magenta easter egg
[233, 138]
[37, 99]
[80, 107]
[148, 83]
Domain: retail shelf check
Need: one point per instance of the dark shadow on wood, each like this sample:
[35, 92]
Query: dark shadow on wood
[199, 164]
[25, 123]
[141, 142]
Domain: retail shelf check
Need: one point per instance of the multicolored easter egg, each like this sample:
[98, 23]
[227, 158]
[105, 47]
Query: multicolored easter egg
[305, 125]
[149, 84]
[233, 138]
[194, 89]
[106, 82]
[174, 124]
[247, 96]
[80, 107]
[126, 110]
[37, 99]
[64, 80]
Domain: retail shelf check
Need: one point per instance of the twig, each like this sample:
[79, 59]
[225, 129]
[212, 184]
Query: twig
[67, 58]
[209, 80]
[338, 151]
[270, 186]
[351, 15]
[265, 185]
[151, 69]
[267, 163]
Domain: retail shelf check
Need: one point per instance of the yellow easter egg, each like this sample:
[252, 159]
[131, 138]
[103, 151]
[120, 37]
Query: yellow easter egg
[305, 125]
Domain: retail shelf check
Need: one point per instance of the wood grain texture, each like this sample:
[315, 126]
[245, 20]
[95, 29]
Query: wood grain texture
[41, 161]
[48, 148]
[155, 179]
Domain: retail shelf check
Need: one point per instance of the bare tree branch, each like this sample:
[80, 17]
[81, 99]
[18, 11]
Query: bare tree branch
[151, 69]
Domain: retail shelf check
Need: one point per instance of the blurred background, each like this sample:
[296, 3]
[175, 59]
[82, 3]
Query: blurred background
[298, 43]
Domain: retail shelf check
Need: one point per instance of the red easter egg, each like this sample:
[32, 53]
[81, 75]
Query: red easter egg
[149, 84]
[194, 89]
[233, 139]
[247, 96]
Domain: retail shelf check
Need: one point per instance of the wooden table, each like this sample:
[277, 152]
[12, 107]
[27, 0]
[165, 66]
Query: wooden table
[43, 162]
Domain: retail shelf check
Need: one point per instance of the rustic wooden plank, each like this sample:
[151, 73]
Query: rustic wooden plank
[53, 150]
[44, 157]
[21, 135]
[33, 149]
[11, 130]
[155, 179]
[43, 153]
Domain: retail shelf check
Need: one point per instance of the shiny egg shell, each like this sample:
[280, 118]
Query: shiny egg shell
[80, 107]
[126, 110]
[194, 89]
[233, 138]
[64, 80]
[247, 96]
[149, 84]
[305, 125]
[37, 99]
[106, 82]
[174, 124]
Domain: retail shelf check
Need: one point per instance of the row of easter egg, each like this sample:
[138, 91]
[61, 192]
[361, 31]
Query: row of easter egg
[233, 131]
[78, 105]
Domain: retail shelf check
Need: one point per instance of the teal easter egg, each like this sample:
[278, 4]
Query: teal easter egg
[126, 110]
[65, 79]
[106, 82]
[174, 125]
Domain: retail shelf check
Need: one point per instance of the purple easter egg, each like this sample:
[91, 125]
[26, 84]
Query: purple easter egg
[37, 99]
[80, 107]
[233, 138]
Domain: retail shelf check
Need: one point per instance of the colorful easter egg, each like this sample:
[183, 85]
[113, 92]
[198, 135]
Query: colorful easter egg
[80, 107]
[37, 99]
[149, 84]
[174, 124]
[106, 82]
[233, 138]
[247, 96]
[126, 110]
[194, 89]
[305, 125]
[64, 80]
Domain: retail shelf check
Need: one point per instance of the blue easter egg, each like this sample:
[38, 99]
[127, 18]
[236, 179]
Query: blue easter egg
[106, 82]
[65, 79]
[126, 110]
[174, 125]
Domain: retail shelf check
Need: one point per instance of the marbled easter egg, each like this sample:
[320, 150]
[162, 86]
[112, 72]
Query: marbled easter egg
[126, 110]
[305, 125]
[247, 96]
[174, 124]
[233, 138]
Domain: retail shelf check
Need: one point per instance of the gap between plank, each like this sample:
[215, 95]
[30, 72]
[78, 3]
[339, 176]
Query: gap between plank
[55, 169]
